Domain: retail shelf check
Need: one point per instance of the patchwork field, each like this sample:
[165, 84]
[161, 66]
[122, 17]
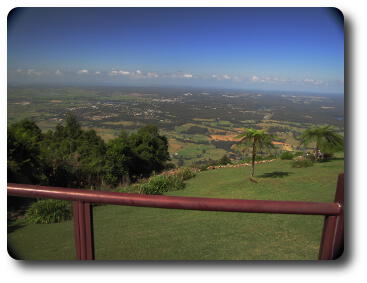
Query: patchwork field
[200, 126]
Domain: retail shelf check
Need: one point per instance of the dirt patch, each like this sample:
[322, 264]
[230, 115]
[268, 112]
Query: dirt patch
[285, 146]
[174, 146]
[230, 137]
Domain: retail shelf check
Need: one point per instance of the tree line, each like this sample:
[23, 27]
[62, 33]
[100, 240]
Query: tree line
[70, 156]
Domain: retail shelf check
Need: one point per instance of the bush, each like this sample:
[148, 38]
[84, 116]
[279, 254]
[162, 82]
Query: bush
[158, 185]
[302, 162]
[48, 211]
[175, 183]
[328, 156]
[287, 155]
[224, 160]
[170, 166]
[310, 156]
[185, 174]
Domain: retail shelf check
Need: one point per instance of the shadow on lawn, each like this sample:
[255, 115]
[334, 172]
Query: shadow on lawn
[275, 174]
[14, 226]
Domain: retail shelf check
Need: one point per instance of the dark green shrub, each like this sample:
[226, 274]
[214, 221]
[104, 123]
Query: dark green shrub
[224, 160]
[48, 211]
[287, 155]
[301, 163]
[327, 156]
[158, 185]
[170, 166]
[185, 174]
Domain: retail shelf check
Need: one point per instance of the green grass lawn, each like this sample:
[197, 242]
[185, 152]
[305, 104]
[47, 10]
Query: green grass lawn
[133, 233]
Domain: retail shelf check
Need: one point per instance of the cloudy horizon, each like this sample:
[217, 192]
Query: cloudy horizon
[249, 48]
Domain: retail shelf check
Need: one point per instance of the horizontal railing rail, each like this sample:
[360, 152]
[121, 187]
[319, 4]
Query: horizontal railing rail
[174, 202]
[332, 239]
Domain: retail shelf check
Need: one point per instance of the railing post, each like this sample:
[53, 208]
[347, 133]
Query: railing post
[332, 241]
[83, 230]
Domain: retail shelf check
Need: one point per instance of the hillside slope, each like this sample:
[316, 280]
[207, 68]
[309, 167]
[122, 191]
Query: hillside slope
[133, 233]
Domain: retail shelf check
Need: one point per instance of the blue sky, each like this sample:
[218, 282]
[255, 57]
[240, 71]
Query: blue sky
[251, 48]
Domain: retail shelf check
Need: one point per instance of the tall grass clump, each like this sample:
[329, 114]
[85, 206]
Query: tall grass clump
[48, 211]
[185, 173]
[302, 163]
[160, 184]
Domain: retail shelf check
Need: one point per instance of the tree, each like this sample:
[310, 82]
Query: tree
[73, 157]
[150, 149]
[119, 160]
[257, 139]
[23, 156]
[325, 139]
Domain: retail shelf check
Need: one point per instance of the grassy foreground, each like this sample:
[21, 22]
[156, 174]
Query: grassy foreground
[133, 233]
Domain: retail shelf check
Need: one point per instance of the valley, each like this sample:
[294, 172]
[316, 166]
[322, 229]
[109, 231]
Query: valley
[200, 124]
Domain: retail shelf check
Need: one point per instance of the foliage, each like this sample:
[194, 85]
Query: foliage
[328, 156]
[185, 173]
[287, 155]
[48, 211]
[225, 160]
[119, 159]
[72, 157]
[23, 155]
[151, 150]
[160, 184]
[325, 138]
[301, 163]
[170, 166]
[137, 155]
[258, 140]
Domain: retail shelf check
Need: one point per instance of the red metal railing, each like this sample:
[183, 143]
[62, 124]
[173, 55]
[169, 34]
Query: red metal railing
[332, 241]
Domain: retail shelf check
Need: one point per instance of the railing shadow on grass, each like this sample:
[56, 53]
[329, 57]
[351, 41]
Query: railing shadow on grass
[275, 174]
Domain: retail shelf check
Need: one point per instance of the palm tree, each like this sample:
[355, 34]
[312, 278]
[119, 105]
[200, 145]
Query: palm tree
[324, 137]
[257, 139]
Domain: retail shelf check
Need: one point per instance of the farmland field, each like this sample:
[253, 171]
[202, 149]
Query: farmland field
[201, 125]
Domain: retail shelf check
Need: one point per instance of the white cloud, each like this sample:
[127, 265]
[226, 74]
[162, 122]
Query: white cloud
[119, 72]
[58, 73]
[312, 81]
[188, 76]
[98, 73]
[28, 72]
[138, 74]
[33, 72]
[221, 77]
[83, 71]
[152, 75]
[255, 78]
